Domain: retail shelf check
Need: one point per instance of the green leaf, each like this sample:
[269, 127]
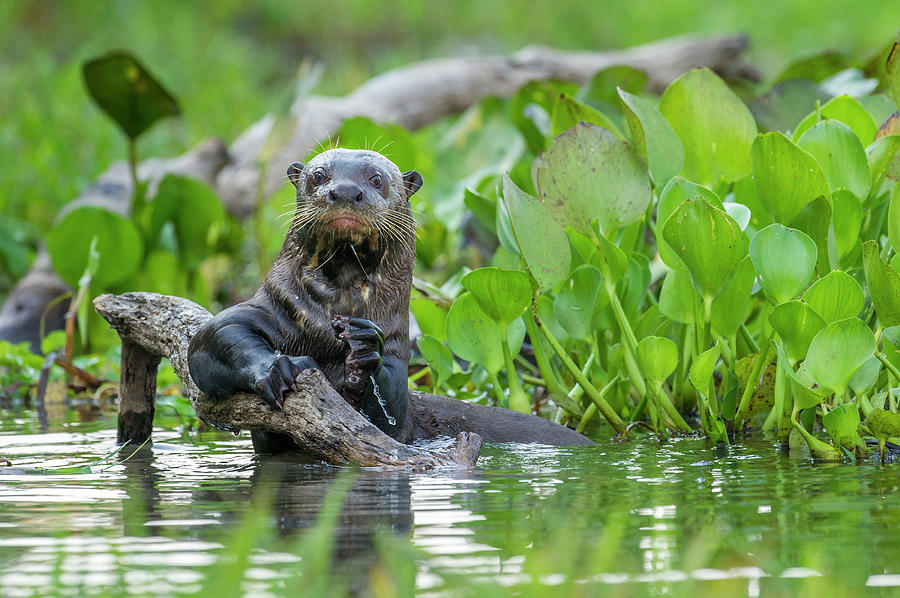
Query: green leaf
[601, 91]
[894, 219]
[846, 110]
[785, 259]
[804, 388]
[730, 307]
[502, 294]
[118, 243]
[780, 108]
[815, 221]
[577, 301]
[835, 296]
[709, 242]
[127, 92]
[837, 351]
[787, 178]
[884, 285]
[883, 424]
[797, 324]
[542, 241]
[841, 155]
[654, 137]
[676, 191]
[568, 112]
[677, 299]
[530, 108]
[892, 66]
[842, 424]
[476, 337]
[439, 359]
[881, 155]
[866, 376]
[196, 213]
[715, 127]
[702, 369]
[848, 217]
[588, 173]
[359, 132]
[431, 318]
[658, 358]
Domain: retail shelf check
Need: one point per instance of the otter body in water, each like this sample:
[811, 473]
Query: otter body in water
[337, 299]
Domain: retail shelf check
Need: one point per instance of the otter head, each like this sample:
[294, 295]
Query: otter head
[353, 194]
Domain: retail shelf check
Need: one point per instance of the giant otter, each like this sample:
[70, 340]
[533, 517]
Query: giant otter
[337, 299]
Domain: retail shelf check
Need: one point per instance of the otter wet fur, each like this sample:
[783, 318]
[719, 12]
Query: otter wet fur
[337, 300]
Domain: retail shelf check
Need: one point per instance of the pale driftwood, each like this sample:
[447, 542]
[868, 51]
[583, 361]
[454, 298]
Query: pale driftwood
[411, 96]
[317, 418]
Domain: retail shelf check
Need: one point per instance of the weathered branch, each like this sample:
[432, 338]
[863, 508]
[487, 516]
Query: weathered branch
[411, 96]
[316, 417]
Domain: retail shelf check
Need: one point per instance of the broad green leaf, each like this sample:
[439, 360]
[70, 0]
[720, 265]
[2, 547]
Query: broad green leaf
[577, 301]
[739, 212]
[476, 337]
[846, 110]
[866, 376]
[676, 191]
[835, 296]
[841, 155]
[883, 424]
[708, 241]
[439, 358]
[502, 294]
[715, 127]
[884, 285]
[702, 369]
[127, 92]
[817, 67]
[815, 221]
[894, 219]
[892, 66]
[119, 245]
[677, 299]
[787, 178]
[804, 388]
[359, 132]
[162, 273]
[848, 218]
[483, 208]
[654, 137]
[842, 424]
[797, 324]
[588, 173]
[837, 351]
[568, 112]
[602, 90]
[530, 109]
[196, 213]
[547, 312]
[658, 358]
[431, 318]
[785, 259]
[881, 155]
[612, 261]
[730, 308]
[542, 241]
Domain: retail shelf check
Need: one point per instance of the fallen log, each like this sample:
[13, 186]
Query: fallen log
[411, 96]
[319, 420]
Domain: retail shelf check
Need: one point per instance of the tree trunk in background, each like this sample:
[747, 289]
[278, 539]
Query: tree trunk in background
[411, 96]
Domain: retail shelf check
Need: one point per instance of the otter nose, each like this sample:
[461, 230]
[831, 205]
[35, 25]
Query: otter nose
[346, 193]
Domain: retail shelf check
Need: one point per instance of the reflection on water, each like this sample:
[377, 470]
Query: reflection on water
[680, 517]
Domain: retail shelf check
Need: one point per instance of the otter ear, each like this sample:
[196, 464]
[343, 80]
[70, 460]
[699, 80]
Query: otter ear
[413, 181]
[293, 173]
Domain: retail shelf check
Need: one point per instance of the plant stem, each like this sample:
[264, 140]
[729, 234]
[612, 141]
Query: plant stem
[753, 380]
[551, 381]
[594, 406]
[497, 389]
[888, 365]
[605, 408]
[132, 169]
[534, 380]
[818, 449]
[517, 399]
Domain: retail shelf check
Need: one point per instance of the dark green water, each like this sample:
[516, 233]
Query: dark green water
[641, 518]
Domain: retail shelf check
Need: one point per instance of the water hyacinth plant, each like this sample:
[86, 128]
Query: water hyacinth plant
[687, 264]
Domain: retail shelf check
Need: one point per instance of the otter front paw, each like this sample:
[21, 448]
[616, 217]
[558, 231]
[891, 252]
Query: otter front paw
[272, 381]
[365, 346]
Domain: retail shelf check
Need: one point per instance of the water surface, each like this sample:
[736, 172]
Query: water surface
[639, 518]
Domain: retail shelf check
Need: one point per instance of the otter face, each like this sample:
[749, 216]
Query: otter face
[354, 193]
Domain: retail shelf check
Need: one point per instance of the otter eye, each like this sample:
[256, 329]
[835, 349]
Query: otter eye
[318, 177]
[375, 180]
